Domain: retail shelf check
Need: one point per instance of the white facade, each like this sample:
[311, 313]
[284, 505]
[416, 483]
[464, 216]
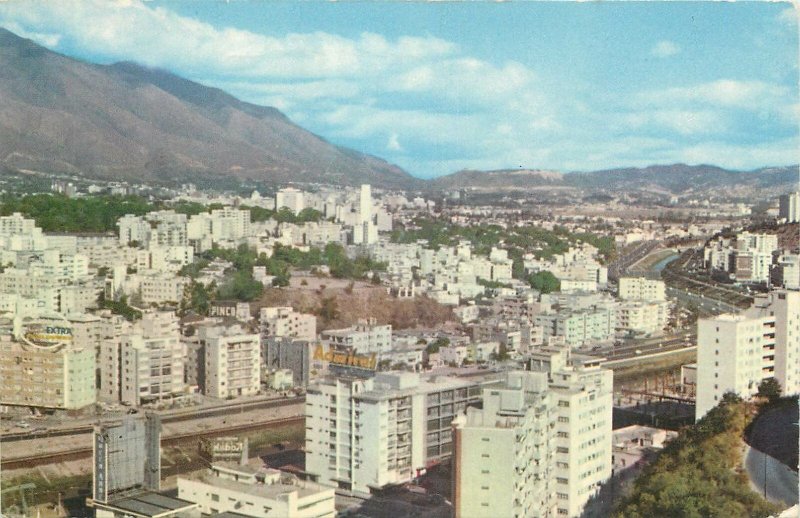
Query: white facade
[232, 361]
[736, 353]
[365, 338]
[286, 322]
[227, 488]
[151, 359]
[363, 434]
[641, 288]
[789, 207]
[541, 445]
[290, 198]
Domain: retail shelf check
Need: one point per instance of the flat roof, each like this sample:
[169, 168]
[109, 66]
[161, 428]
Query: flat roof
[149, 504]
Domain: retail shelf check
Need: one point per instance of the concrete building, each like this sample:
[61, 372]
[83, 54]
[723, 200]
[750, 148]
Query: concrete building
[232, 361]
[151, 360]
[363, 434]
[504, 459]
[735, 353]
[789, 207]
[541, 444]
[365, 337]
[284, 321]
[241, 491]
[641, 288]
[47, 376]
[290, 198]
[641, 317]
[288, 353]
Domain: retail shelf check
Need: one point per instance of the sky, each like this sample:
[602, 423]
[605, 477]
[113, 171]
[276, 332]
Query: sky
[436, 87]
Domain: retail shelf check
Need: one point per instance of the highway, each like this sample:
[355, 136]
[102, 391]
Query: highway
[85, 452]
[647, 346]
[639, 251]
[172, 417]
[781, 481]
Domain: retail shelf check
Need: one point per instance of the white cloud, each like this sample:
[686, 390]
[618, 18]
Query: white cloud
[372, 90]
[393, 143]
[723, 92]
[684, 122]
[665, 49]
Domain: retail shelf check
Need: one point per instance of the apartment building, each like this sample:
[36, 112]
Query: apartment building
[541, 444]
[641, 317]
[290, 198]
[641, 288]
[736, 353]
[151, 359]
[283, 321]
[232, 361]
[235, 490]
[365, 337]
[47, 364]
[366, 433]
[504, 453]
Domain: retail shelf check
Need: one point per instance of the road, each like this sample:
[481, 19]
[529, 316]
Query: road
[659, 344]
[781, 481]
[707, 306]
[639, 251]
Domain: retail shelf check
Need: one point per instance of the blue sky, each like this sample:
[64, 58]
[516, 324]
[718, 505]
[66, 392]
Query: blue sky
[438, 87]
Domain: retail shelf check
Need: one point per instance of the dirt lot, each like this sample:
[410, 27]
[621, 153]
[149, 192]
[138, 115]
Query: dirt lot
[347, 302]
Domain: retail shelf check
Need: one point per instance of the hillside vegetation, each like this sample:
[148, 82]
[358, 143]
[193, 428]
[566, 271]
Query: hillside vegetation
[698, 474]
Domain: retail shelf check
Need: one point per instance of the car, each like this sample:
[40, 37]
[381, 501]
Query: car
[638, 351]
[22, 424]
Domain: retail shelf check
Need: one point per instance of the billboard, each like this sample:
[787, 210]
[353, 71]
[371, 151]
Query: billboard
[44, 331]
[126, 456]
[348, 359]
[225, 449]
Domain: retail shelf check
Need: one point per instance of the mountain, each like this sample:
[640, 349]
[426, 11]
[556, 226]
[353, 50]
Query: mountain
[674, 179]
[125, 121]
[500, 178]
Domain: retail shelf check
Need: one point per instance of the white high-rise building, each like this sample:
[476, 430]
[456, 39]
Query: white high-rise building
[504, 458]
[541, 444]
[789, 207]
[291, 198]
[735, 353]
[232, 361]
[151, 359]
[365, 231]
[366, 433]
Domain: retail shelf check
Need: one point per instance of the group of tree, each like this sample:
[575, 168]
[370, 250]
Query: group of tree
[544, 282]
[58, 213]
[698, 473]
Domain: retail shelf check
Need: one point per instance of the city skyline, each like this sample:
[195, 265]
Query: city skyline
[437, 88]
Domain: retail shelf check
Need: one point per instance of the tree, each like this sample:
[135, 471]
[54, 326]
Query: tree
[328, 309]
[437, 344]
[544, 282]
[771, 389]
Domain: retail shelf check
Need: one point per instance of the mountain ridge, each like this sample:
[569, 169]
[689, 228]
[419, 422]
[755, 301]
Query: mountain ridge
[126, 121]
[130, 122]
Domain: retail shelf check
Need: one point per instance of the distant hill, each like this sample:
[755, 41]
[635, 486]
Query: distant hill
[675, 179]
[125, 121]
